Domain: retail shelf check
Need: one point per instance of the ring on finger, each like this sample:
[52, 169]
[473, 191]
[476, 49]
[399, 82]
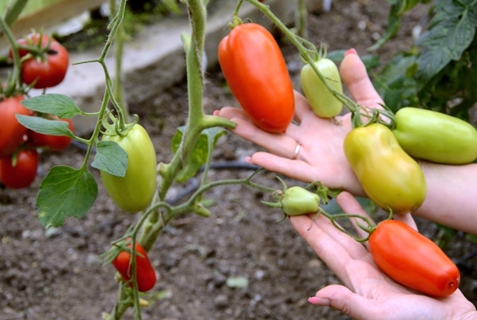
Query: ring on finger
[297, 150]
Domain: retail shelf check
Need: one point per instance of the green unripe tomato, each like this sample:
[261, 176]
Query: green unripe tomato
[297, 200]
[435, 136]
[135, 190]
[322, 101]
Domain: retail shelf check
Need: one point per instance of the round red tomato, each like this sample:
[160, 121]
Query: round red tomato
[47, 73]
[11, 132]
[19, 172]
[50, 142]
[31, 40]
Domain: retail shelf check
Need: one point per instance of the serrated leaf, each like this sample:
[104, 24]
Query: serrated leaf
[198, 157]
[56, 104]
[111, 158]
[45, 126]
[237, 282]
[65, 192]
[450, 32]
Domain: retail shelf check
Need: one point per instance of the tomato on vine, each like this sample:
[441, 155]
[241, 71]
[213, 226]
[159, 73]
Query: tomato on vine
[257, 75]
[321, 99]
[19, 170]
[11, 131]
[135, 190]
[145, 274]
[389, 176]
[413, 260]
[44, 70]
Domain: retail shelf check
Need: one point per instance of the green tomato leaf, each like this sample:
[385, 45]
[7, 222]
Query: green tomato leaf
[55, 104]
[110, 158]
[65, 192]
[450, 32]
[45, 126]
[198, 157]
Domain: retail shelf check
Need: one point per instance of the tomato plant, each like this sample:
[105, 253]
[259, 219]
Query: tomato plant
[413, 260]
[388, 175]
[11, 132]
[19, 170]
[435, 136]
[48, 70]
[135, 190]
[51, 142]
[145, 274]
[257, 75]
[322, 100]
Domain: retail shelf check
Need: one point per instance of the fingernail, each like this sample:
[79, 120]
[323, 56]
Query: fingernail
[216, 112]
[248, 159]
[319, 301]
[350, 51]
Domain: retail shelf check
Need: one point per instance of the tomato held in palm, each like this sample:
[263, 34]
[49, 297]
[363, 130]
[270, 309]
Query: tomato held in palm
[257, 75]
[11, 131]
[19, 170]
[413, 260]
[135, 190]
[322, 100]
[51, 142]
[435, 136]
[48, 71]
[297, 201]
[145, 274]
[388, 175]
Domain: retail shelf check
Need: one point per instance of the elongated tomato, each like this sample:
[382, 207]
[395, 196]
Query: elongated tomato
[257, 75]
[413, 260]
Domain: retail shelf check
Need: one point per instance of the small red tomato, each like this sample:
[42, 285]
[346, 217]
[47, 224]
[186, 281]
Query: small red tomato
[50, 142]
[145, 274]
[11, 131]
[47, 73]
[256, 72]
[19, 171]
[413, 260]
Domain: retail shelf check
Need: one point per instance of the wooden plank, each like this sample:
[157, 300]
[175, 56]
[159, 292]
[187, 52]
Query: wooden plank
[50, 16]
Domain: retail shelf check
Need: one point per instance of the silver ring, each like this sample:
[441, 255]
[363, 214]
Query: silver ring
[297, 150]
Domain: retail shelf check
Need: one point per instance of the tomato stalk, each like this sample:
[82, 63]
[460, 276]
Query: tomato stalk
[15, 80]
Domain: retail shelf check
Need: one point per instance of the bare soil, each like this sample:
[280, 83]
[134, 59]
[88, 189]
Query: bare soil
[57, 274]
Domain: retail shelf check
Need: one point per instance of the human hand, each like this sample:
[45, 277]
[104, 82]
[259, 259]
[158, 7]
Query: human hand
[320, 155]
[367, 292]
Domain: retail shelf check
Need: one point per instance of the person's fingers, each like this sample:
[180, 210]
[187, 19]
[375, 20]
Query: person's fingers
[231, 113]
[344, 300]
[302, 107]
[350, 205]
[331, 252]
[295, 169]
[354, 75]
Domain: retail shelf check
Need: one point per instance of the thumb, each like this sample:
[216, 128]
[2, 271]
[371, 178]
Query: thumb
[344, 300]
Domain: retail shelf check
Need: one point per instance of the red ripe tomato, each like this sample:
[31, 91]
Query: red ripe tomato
[145, 274]
[20, 172]
[47, 73]
[257, 75]
[50, 142]
[11, 132]
[413, 260]
[31, 40]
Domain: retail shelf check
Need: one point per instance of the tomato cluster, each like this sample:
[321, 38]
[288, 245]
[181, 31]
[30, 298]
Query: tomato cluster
[43, 64]
[19, 146]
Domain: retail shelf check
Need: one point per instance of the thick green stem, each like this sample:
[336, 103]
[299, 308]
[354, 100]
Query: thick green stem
[301, 19]
[16, 76]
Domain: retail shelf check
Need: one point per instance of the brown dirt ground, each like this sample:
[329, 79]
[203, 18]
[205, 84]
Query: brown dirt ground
[58, 275]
